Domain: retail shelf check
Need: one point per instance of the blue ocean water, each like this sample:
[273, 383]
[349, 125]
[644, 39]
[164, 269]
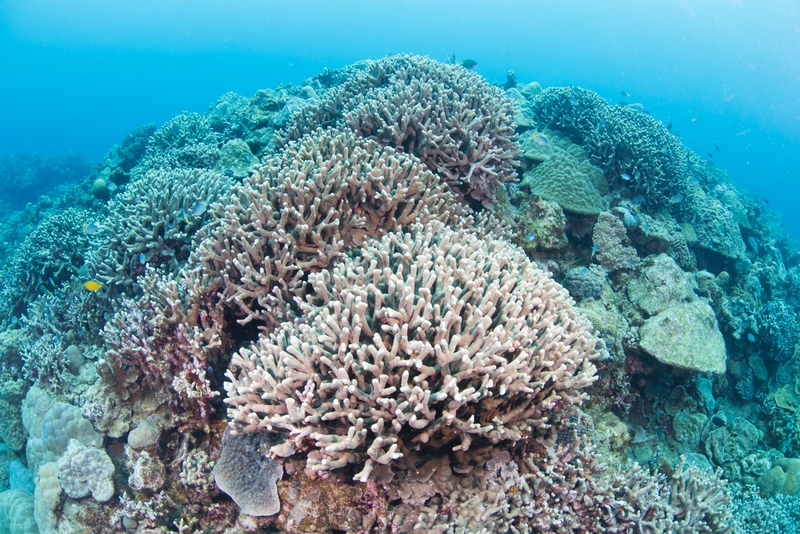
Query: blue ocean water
[79, 75]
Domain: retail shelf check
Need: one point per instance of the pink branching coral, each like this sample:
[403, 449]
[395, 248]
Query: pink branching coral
[169, 340]
[422, 339]
[322, 195]
[450, 118]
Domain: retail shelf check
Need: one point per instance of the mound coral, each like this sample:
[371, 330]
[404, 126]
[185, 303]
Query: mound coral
[450, 118]
[422, 339]
[567, 177]
[322, 195]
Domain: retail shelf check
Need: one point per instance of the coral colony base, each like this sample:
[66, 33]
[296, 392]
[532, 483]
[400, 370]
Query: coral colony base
[396, 299]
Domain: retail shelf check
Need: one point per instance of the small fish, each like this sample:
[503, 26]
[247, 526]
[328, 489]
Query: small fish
[111, 186]
[676, 198]
[531, 236]
[765, 200]
[693, 180]
[622, 103]
[594, 249]
[199, 209]
[753, 243]
[745, 132]
[142, 258]
[710, 155]
[26, 229]
[636, 105]
[91, 285]
[540, 139]
[573, 101]
[695, 119]
[694, 218]
[631, 263]
[469, 64]
[751, 338]
[91, 229]
[669, 126]
[646, 227]
[184, 216]
[584, 271]
[625, 94]
[715, 146]
[625, 176]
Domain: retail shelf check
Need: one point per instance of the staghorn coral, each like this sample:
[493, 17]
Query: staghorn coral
[322, 195]
[619, 139]
[187, 141]
[421, 340]
[48, 258]
[450, 118]
[153, 223]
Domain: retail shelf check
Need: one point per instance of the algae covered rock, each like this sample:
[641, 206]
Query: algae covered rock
[686, 336]
[661, 285]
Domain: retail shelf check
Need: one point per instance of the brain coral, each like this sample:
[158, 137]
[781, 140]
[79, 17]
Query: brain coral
[322, 195]
[422, 339]
[450, 118]
[567, 177]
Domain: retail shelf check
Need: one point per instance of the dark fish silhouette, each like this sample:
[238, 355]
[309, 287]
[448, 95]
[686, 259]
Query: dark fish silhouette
[710, 155]
[469, 64]
[715, 146]
[669, 126]
[626, 94]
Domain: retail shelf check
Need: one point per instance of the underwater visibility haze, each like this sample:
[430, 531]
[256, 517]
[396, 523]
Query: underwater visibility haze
[399, 266]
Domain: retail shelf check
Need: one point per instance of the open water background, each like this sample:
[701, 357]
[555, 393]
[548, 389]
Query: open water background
[80, 74]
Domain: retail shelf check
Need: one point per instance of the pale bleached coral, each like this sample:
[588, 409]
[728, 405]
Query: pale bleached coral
[425, 338]
[321, 196]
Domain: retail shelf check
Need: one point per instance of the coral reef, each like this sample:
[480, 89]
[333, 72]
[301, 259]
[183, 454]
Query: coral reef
[620, 140]
[153, 223]
[331, 308]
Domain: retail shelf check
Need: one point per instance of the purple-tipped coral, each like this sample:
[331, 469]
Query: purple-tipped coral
[425, 339]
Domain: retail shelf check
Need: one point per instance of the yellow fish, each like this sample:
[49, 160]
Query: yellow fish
[91, 285]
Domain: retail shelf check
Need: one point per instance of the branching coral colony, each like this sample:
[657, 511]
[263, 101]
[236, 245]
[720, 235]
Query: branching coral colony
[334, 308]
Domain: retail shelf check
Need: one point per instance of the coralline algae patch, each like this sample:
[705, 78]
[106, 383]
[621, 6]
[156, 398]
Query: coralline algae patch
[397, 298]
